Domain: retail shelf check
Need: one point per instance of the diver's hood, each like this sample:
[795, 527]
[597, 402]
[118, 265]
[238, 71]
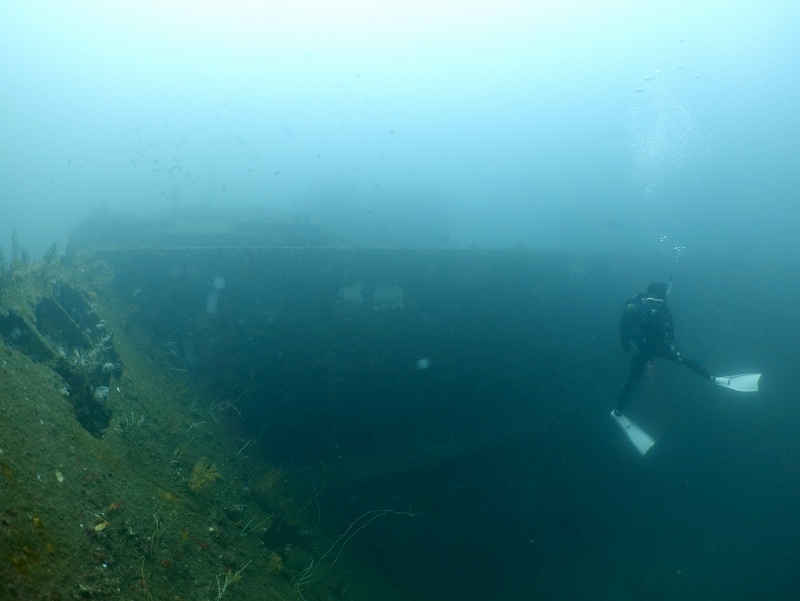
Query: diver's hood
[657, 292]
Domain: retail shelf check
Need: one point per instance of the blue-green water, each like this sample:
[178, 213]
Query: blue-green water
[573, 127]
[634, 142]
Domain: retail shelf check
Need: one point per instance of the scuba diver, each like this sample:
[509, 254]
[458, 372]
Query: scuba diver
[646, 332]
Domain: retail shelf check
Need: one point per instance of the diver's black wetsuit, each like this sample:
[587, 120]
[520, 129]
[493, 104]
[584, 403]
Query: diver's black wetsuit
[646, 331]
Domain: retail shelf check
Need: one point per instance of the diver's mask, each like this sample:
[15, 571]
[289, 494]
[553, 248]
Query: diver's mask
[656, 295]
[652, 300]
[654, 304]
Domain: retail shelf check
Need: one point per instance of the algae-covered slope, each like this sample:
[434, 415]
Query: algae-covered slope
[118, 478]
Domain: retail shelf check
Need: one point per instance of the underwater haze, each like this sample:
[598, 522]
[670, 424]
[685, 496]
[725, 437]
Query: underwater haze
[497, 177]
[575, 125]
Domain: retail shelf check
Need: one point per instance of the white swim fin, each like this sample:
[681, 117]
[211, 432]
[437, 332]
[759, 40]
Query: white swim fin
[742, 382]
[638, 437]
